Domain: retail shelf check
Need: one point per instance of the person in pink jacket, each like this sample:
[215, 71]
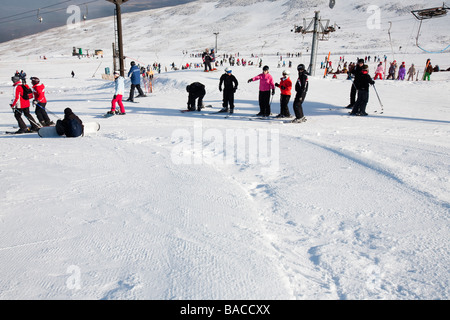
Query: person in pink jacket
[379, 72]
[266, 86]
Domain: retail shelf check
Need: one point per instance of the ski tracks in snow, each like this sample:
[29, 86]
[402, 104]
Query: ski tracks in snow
[328, 249]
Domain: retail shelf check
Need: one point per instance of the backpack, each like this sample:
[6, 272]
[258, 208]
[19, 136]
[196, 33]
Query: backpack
[27, 92]
[74, 128]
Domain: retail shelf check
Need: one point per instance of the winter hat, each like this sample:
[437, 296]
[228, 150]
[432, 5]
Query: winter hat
[227, 70]
[361, 61]
[117, 73]
[15, 79]
[67, 111]
[286, 72]
[365, 67]
[301, 67]
[266, 68]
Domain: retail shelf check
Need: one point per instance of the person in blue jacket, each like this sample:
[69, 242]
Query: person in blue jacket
[135, 75]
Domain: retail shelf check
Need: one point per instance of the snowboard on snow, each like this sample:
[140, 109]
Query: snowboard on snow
[50, 132]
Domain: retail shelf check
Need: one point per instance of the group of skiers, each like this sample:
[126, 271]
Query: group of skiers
[70, 126]
[228, 85]
[402, 73]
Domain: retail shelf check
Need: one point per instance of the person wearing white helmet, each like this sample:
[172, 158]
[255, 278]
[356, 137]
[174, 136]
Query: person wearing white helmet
[230, 84]
[285, 86]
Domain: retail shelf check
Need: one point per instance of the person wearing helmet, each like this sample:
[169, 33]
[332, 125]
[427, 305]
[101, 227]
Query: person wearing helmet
[40, 102]
[135, 73]
[230, 84]
[362, 85]
[301, 88]
[266, 86]
[21, 104]
[285, 86]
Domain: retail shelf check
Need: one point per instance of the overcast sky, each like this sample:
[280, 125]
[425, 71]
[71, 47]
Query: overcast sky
[20, 17]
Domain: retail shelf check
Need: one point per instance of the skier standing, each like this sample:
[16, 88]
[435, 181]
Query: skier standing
[301, 88]
[265, 86]
[362, 85]
[206, 57]
[411, 72]
[356, 72]
[196, 90]
[230, 84]
[402, 72]
[40, 102]
[285, 86]
[135, 73]
[392, 70]
[119, 84]
[428, 70]
[379, 71]
[21, 104]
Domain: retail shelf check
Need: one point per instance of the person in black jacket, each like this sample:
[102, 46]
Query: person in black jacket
[362, 85]
[301, 88]
[356, 73]
[206, 57]
[196, 91]
[71, 125]
[230, 84]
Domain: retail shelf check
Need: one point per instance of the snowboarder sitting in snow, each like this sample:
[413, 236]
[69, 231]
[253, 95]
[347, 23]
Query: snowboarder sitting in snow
[196, 91]
[362, 85]
[230, 85]
[71, 125]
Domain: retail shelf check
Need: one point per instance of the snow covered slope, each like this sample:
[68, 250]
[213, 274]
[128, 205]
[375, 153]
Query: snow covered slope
[338, 207]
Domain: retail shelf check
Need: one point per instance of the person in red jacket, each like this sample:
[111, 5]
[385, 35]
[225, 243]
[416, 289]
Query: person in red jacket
[21, 104]
[285, 86]
[40, 102]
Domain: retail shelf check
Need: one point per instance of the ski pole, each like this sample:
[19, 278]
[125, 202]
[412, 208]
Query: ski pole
[48, 111]
[382, 110]
[31, 121]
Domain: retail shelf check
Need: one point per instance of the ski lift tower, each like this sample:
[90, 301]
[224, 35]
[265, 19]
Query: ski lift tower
[318, 29]
[118, 32]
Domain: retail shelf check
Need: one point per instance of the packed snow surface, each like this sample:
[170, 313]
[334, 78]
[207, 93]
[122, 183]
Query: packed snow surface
[161, 204]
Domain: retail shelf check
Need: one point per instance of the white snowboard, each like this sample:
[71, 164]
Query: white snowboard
[49, 132]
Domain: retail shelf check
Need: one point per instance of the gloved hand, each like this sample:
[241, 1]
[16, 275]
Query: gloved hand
[114, 97]
[283, 87]
[249, 80]
[277, 84]
[220, 89]
[234, 90]
[273, 91]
